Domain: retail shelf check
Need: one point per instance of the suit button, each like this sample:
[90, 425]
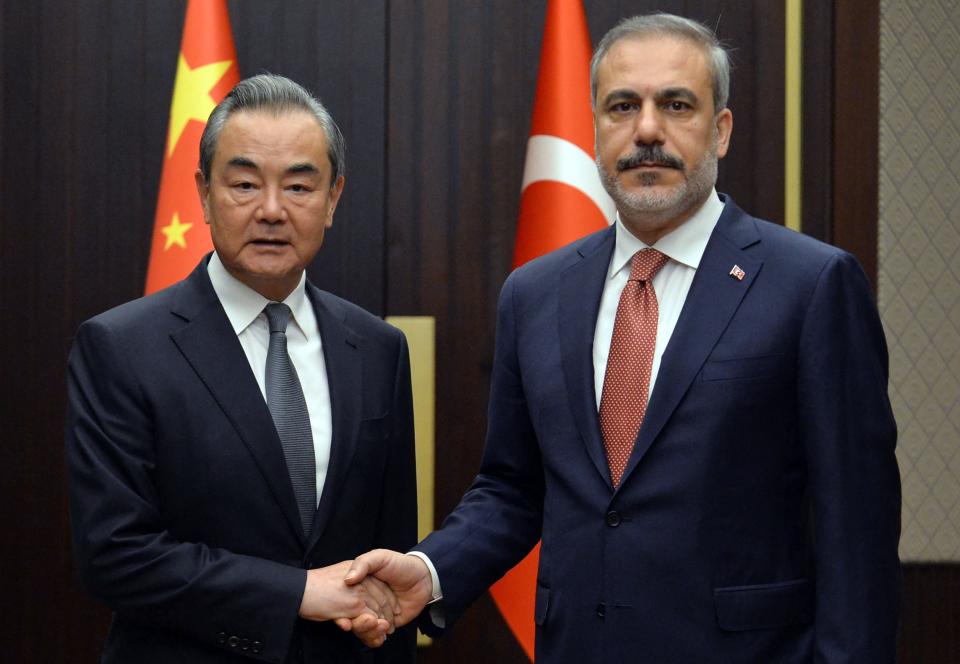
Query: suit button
[601, 611]
[222, 638]
[245, 644]
[255, 648]
[613, 519]
[233, 641]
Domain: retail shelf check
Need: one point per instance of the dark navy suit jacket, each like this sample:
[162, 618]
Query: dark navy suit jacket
[757, 521]
[184, 518]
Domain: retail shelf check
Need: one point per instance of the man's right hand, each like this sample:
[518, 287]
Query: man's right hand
[408, 578]
[366, 604]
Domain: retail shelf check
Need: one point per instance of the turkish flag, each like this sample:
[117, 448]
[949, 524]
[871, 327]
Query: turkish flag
[562, 200]
[206, 71]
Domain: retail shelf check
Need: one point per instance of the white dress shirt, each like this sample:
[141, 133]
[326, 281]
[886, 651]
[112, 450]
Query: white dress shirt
[684, 246]
[244, 307]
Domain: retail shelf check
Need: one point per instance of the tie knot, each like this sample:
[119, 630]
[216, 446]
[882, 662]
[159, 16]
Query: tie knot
[646, 263]
[278, 315]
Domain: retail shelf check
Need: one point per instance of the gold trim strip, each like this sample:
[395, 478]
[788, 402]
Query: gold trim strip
[793, 118]
[421, 338]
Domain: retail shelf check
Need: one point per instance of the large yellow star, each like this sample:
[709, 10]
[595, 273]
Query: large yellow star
[175, 233]
[191, 96]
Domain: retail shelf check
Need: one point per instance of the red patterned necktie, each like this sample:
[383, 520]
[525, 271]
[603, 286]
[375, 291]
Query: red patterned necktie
[626, 383]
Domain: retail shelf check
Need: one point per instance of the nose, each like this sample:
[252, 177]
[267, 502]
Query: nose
[648, 127]
[271, 210]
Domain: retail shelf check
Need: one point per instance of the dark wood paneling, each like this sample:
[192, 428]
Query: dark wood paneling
[817, 123]
[930, 619]
[856, 129]
[841, 108]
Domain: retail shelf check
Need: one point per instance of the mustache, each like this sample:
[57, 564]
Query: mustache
[650, 154]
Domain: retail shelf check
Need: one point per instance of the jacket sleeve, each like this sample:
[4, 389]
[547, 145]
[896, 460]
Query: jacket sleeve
[500, 518]
[126, 556]
[849, 436]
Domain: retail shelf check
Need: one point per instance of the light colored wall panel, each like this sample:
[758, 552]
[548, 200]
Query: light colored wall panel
[919, 262]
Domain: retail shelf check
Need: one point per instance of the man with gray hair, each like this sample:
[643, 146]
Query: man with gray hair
[689, 408]
[233, 439]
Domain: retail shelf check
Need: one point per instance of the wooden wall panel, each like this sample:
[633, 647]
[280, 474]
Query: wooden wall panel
[817, 122]
[856, 127]
[930, 619]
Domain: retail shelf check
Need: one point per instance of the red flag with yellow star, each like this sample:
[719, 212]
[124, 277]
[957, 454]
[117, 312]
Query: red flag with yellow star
[206, 72]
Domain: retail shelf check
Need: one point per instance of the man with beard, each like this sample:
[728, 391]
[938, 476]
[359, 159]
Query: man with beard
[689, 408]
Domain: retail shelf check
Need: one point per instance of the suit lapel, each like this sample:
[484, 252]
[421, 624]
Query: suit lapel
[582, 283]
[341, 352]
[210, 345]
[712, 301]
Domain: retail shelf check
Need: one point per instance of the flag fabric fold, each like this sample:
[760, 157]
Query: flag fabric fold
[562, 200]
[206, 71]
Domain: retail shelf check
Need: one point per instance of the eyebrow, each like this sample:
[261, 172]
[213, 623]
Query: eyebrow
[242, 162]
[300, 167]
[619, 94]
[678, 92]
[304, 167]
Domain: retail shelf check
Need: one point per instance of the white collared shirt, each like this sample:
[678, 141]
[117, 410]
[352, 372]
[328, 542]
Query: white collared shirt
[244, 308]
[684, 246]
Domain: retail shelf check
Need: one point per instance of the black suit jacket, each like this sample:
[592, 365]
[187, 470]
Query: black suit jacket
[758, 517]
[184, 518]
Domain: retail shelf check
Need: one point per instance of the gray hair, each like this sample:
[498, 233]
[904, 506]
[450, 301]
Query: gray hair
[661, 24]
[277, 94]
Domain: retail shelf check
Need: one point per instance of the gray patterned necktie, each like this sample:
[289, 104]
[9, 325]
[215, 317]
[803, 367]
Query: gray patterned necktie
[289, 410]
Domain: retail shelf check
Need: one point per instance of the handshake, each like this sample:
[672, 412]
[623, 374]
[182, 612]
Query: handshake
[371, 595]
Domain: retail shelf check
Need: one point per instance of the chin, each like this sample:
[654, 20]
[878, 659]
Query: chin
[654, 198]
[269, 269]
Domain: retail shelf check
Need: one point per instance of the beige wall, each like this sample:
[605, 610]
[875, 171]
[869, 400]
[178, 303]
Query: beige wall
[919, 266]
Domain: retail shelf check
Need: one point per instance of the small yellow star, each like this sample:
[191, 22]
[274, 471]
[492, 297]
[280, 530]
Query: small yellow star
[175, 232]
[191, 96]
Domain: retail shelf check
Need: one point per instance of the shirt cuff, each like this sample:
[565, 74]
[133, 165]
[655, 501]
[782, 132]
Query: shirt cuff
[437, 593]
[433, 606]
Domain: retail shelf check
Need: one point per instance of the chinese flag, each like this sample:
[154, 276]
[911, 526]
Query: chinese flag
[206, 72]
[562, 200]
